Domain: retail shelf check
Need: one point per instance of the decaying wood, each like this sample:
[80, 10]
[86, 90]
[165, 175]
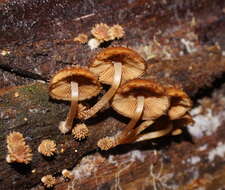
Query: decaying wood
[180, 41]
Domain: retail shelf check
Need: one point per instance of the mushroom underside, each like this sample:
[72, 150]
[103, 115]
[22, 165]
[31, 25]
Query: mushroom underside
[107, 96]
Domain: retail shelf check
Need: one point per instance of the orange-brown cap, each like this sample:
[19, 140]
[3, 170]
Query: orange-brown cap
[133, 65]
[180, 103]
[156, 103]
[60, 84]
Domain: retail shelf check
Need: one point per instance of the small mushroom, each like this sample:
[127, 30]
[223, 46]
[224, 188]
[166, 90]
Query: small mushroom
[48, 181]
[156, 102]
[47, 147]
[180, 103]
[80, 132]
[101, 32]
[73, 84]
[18, 151]
[137, 99]
[116, 32]
[114, 66]
[67, 174]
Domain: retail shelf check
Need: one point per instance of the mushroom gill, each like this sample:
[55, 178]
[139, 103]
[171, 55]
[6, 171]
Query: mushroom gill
[114, 66]
[73, 84]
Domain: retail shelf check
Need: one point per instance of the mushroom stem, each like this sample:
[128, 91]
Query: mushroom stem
[123, 137]
[133, 134]
[66, 126]
[142, 127]
[155, 134]
[108, 95]
[126, 133]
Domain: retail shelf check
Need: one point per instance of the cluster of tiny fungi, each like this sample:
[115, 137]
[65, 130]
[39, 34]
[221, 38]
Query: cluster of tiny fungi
[101, 33]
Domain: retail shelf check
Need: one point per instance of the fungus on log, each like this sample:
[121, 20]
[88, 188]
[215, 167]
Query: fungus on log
[47, 147]
[138, 99]
[73, 84]
[18, 150]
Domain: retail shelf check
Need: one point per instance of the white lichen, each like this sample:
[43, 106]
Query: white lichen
[194, 160]
[137, 155]
[85, 168]
[203, 147]
[189, 45]
[205, 124]
[218, 151]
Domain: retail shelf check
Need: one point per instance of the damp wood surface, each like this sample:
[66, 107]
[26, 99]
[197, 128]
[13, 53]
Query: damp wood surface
[183, 44]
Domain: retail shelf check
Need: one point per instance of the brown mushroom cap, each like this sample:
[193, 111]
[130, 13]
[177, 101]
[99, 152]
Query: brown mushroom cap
[156, 103]
[60, 85]
[133, 65]
[180, 103]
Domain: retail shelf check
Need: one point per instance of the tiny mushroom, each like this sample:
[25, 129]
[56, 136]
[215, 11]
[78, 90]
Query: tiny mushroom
[180, 103]
[116, 31]
[138, 99]
[67, 174]
[73, 84]
[80, 132]
[114, 65]
[101, 32]
[47, 147]
[18, 150]
[48, 181]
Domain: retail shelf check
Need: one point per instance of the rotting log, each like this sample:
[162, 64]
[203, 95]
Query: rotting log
[38, 35]
[35, 115]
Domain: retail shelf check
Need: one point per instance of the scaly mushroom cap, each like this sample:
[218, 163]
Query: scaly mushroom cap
[47, 147]
[180, 103]
[133, 65]
[48, 181]
[18, 151]
[60, 85]
[15, 138]
[156, 103]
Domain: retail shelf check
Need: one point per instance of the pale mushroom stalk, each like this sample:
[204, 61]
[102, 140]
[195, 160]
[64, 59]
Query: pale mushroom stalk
[155, 134]
[124, 135]
[133, 134]
[109, 142]
[109, 94]
[66, 126]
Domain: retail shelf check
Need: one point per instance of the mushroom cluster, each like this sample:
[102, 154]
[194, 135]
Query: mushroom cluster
[154, 110]
[162, 110]
[159, 109]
